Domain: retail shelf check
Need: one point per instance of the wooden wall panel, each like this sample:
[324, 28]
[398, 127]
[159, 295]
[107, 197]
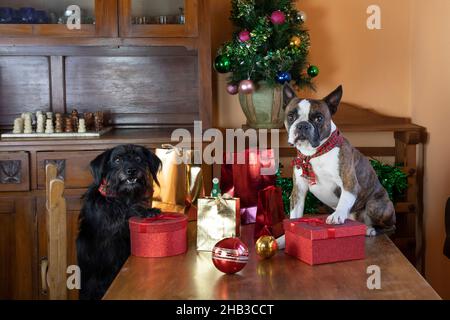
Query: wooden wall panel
[24, 86]
[135, 90]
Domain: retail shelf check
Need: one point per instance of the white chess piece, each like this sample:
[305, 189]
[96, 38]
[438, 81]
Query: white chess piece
[49, 126]
[28, 127]
[81, 126]
[40, 123]
[18, 125]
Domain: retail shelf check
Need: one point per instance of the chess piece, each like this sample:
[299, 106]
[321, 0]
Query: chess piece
[49, 115]
[39, 123]
[58, 123]
[28, 127]
[18, 125]
[81, 126]
[49, 126]
[69, 127]
[98, 119]
[74, 116]
[89, 121]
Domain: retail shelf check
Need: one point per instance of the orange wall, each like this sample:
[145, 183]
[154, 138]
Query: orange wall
[401, 70]
[373, 66]
[431, 109]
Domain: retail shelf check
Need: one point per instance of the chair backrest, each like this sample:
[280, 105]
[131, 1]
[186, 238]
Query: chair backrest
[56, 235]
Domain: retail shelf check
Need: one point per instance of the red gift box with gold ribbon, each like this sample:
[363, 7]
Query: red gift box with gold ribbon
[164, 235]
[313, 241]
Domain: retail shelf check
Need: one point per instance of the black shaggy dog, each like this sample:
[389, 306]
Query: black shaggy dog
[120, 191]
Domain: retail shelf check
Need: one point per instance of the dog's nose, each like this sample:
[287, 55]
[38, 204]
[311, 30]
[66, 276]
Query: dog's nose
[131, 171]
[303, 126]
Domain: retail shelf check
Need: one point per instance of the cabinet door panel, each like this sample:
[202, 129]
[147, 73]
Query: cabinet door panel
[158, 18]
[17, 248]
[55, 18]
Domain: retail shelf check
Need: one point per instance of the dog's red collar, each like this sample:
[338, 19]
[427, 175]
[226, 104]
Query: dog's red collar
[103, 189]
[303, 162]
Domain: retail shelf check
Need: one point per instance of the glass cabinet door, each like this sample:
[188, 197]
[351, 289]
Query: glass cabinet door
[158, 18]
[55, 17]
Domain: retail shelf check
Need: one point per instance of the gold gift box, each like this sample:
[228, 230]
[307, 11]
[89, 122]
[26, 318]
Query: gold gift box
[218, 218]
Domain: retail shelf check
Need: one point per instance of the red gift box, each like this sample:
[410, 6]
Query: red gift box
[270, 213]
[245, 180]
[164, 235]
[313, 241]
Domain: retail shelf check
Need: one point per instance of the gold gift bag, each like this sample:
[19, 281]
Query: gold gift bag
[180, 184]
[218, 218]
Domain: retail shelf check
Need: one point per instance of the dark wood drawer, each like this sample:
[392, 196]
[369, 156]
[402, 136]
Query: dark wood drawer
[14, 171]
[73, 167]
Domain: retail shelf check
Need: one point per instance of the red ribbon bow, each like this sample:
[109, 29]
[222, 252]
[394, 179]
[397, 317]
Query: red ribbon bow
[318, 222]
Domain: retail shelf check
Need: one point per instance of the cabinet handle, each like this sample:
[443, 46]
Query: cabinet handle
[44, 269]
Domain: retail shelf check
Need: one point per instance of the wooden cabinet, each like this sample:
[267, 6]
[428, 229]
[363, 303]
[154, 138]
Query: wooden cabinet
[20, 18]
[158, 18]
[18, 262]
[25, 21]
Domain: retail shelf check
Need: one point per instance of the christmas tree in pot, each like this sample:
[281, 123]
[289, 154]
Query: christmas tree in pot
[269, 48]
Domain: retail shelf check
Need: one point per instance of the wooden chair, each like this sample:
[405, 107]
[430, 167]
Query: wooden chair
[53, 270]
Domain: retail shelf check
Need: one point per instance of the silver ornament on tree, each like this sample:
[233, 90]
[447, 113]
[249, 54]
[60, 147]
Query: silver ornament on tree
[301, 16]
[246, 86]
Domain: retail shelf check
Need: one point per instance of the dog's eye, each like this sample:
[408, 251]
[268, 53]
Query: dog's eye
[291, 118]
[138, 159]
[318, 119]
[117, 160]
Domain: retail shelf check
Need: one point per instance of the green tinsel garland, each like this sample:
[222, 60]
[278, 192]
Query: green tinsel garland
[392, 178]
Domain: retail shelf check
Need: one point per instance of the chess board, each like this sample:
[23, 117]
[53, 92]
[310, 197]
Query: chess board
[63, 135]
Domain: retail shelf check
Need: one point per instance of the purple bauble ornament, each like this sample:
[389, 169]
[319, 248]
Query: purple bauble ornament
[244, 36]
[232, 89]
[278, 17]
[246, 86]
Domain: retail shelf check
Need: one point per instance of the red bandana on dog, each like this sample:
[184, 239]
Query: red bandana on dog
[103, 189]
[303, 162]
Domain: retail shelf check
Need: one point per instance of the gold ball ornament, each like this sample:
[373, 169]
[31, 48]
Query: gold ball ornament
[295, 41]
[266, 247]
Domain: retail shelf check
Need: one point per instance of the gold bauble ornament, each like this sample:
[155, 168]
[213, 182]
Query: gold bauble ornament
[295, 41]
[266, 247]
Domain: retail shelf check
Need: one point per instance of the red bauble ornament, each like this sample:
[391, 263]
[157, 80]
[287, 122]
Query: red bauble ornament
[278, 17]
[230, 255]
[244, 36]
[246, 86]
[232, 89]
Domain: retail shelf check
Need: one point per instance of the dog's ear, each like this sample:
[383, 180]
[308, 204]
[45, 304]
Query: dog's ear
[333, 100]
[98, 166]
[153, 162]
[288, 94]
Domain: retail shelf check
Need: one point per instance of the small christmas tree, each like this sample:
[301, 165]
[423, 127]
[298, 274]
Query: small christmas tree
[269, 44]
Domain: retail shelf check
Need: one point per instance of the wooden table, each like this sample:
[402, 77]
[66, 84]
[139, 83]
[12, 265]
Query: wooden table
[193, 276]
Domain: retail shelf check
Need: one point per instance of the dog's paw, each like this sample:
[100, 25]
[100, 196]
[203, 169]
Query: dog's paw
[151, 212]
[337, 218]
[371, 232]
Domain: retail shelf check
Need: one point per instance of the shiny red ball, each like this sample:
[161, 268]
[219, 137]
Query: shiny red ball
[230, 255]
[232, 89]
